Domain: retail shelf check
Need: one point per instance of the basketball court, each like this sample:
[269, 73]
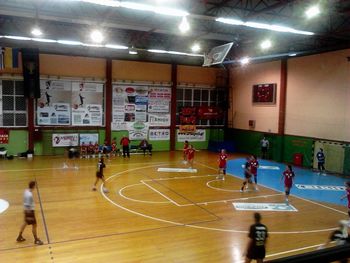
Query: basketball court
[157, 210]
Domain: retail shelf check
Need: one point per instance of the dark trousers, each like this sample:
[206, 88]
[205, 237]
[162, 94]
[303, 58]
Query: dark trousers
[146, 148]
[321, 166]
[126, 151]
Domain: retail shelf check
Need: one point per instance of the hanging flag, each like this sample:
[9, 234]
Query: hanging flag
[9, 58]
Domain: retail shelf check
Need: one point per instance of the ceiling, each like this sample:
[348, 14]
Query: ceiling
[73, 20]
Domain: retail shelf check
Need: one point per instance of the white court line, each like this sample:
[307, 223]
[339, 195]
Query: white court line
[189, 225]
[136, 200]
[155, 190]
[293, 250]
[220, 189]
[336, 210]
[177, 178]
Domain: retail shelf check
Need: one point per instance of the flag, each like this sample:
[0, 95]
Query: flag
[9, 58]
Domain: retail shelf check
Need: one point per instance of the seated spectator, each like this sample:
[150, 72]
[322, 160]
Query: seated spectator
[144, 145]
[83, 150]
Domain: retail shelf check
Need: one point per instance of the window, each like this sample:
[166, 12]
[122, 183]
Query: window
[13, 105]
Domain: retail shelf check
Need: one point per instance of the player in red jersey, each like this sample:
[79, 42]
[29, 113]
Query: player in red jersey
[190, 155]
[288, 176]
[114, 146]
[254, 165]
[184, 151]
[83, 150]
[90, 149]
[347, 194]
[222, 164]
[96, 149]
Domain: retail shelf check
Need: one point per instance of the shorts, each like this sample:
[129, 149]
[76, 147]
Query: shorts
[99, 175]
[29, 217]
[256, 252]
[247, 175]
[289, 186]
[264, 149]
[222, 166]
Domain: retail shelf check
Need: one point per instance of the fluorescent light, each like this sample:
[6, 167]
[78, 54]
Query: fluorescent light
[36, 32]
[244, 60]
[170, 11]
[18, 37]
[44, 40]
[252, 24]
[116, 46]
[133, 51]
[177, 53]
[157, 51]
[92, 45]
[292, 54]
[312, 11]
[96, 36]
[266, 44]
[184, 25]
[196, 47]
[69, 42]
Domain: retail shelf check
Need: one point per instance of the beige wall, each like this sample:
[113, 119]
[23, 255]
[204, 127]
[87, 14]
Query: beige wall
[70, 66]
[318, 96]
[242, 109]
[197, 75]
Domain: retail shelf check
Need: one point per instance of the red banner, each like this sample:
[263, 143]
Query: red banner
[4, 136]
[209, 113]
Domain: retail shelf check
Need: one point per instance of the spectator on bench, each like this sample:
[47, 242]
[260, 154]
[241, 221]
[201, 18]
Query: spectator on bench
[144, 145]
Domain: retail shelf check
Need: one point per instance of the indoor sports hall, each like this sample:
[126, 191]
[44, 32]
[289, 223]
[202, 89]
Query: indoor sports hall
[156, 131]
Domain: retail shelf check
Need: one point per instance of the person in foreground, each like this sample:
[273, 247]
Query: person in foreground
[29, 214]
[258, 235]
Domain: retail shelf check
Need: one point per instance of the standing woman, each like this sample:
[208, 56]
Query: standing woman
[254, 165]
[190, 155]
[222, 160]
[184, 152]
[288, 176]
[247, 174]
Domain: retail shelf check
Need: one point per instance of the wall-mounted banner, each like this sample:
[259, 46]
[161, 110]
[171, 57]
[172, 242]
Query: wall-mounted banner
[159, 119]
[138, 130]
[65, 139]
[159, 134]
[87, 100]
[53, 106]
[187, 128]
[4, 136]
[198, 136]
[209, 113]
[119, 126]
[159, 99]
[86, 138]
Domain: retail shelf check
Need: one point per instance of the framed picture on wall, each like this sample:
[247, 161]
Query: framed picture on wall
[264, 93]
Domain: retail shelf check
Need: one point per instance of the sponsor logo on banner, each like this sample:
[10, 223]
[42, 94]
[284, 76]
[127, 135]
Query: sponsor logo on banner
[321, 187]
[159, 106]
[119, 126]
[65, 139]
[187, 128]
[209, 112]
[198, 136]
[159, 134]
[277, 207]
[86, 138]
[138, 130]
[159, 119]
[4, 136]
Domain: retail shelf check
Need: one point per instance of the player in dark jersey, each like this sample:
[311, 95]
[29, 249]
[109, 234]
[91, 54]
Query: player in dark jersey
[288, 176]
[258, 235]
[347, 195]
[247, 174]
[320, 161]
[222, 160]
[254, 165]
[100, 176]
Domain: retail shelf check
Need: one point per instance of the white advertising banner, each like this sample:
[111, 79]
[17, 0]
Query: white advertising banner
[138, 130]
[159, 134]
[119, 126]
[198, 136]
[159, 119]
[65, 139]
[87, 100]
[86, 138]
[53, 106]
[159, 99]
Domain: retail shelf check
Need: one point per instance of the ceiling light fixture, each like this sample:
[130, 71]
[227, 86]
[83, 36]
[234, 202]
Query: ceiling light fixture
[69, 42]
[244, 61]
[17, 37]
[102, 2]
[196, 47]
[96, 36]
[116, 46]
[36, 32]
[44, 40]
[184, 25]
[266, 44]
[133, 51]
[312, 11]
[277, 28]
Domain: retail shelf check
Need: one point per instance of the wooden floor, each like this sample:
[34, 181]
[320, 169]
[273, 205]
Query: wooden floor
[148, 216]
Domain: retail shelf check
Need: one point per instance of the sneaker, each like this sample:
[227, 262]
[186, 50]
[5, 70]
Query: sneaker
[256, 188]
[241, 191]
[76, 167]
[223, 178]
[287, 202]
[94, 188]
[20, 239]
[246, 187]
[38, 242]
[65, 166]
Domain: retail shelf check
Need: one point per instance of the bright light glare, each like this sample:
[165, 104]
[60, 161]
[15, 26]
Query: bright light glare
[244, 61]
[36, 32]
[116, 46]
[44, 40]
[17, 37]
[103, 2]
[132, 52]
[96, 36]
[312, 11]
[69, 42]
[137, 6]
[170, 11]
[196, 47]
[157, 51]
[277, 28]
[184, 25]
[266, 44]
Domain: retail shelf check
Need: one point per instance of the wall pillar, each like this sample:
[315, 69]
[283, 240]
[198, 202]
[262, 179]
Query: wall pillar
[108, 98]
[31, 124]
[283, 91]
[173, 107]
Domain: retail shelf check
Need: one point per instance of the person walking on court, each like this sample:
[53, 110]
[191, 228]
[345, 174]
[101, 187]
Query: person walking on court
[29, 214]
[347, 195]
[264, 143]
[288, 176]
[258, 235]
[254, 165]
[321, 159]
[184, 152]
[247, 175]
[100, 176]
[190, 155]
[125, 143]
[222, 164]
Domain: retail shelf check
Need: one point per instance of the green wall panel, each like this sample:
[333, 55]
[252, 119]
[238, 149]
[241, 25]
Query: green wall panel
[296, 144]
[347, 161]
[18, 142]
